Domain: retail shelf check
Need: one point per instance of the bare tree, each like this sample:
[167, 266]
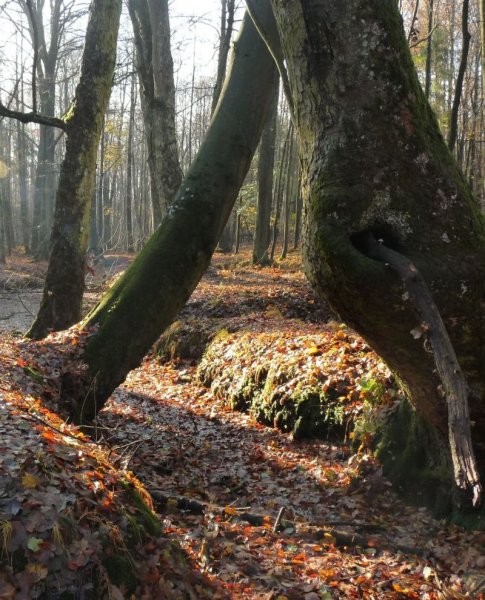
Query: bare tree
[151, 27]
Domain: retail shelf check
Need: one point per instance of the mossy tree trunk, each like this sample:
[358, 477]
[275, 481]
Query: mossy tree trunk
[375, 161]
[133, 314]
[151, 27]
[64, 284]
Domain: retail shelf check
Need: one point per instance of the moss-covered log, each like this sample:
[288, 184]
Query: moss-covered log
[133, 314]
[64, 285]
[374, 161]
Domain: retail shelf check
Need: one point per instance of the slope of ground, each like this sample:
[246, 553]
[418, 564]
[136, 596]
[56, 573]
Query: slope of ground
[259, 513]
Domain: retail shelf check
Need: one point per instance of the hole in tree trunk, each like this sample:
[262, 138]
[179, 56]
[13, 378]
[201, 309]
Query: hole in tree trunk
[362, 240]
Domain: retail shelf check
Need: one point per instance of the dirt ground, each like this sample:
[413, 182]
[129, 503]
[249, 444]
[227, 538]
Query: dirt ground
[22, 280]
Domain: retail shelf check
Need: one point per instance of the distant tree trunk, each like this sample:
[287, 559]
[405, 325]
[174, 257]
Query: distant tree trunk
[151, 27]
[374, 162]
[46, 53]
[429, 49]
[279, 192]
[227, 25]
[237, 235]
[466, 36]
[44, 185]
[267, 148]
[144, 301]
[226, 241]
[482, 39]
[64, 285]
[8, 225]
[299, 205]
[23, 190]
[102, 176]
[3, 237]
[290, 184]
[129, 171]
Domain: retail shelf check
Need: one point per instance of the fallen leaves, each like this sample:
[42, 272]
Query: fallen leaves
[344, 532]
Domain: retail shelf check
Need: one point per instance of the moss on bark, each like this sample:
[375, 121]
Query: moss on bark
[133, 314]
[64, 286]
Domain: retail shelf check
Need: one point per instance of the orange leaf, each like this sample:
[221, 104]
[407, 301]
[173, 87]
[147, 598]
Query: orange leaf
[49, 435]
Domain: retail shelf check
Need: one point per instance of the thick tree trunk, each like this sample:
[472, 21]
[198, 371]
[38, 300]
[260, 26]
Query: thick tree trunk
[262, 234]
[133, 314]
[375, 161]
[64, 285]
[151, 27]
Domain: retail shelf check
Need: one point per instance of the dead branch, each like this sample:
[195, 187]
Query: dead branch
[452, 378]
[32, 117]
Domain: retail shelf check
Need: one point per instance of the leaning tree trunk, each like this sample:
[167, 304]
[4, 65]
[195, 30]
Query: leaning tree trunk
[64, 285]
[133, 314]
[375, 163]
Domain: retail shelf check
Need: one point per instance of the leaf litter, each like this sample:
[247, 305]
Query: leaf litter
[342, 531]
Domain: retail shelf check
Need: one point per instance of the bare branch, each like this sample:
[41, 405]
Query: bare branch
[32, 117]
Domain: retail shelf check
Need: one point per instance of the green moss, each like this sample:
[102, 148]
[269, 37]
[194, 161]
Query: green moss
[121, 570]
[185, 339]
[416, 459]
[145, 516]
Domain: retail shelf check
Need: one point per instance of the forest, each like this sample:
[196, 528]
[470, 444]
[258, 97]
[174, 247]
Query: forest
[242, 283]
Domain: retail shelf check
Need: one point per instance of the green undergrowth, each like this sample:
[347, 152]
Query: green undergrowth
[323, 385]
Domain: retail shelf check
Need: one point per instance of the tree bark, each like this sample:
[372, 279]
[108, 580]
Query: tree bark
[262, 234]
[374, 161]
[227, 25]
[64, 285]
[151, 27]
[133, 314]
[429, 49]
[465, 47]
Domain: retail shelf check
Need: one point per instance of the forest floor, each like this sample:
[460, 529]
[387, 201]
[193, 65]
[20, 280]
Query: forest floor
[219, 478]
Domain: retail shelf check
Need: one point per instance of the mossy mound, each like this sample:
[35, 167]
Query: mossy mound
[186, 339]
[313, 385]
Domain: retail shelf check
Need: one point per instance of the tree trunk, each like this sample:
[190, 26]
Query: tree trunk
[289, 190]
[262, 234]
[227, 25]
[279, 192]
[374, 161]
[129, 171]
[44, 71]
[44, 186]
[466, 36]
[133, 314]
[64, 285]
[151, 28]
[429, 49]
[23, 191]
[298, 213]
